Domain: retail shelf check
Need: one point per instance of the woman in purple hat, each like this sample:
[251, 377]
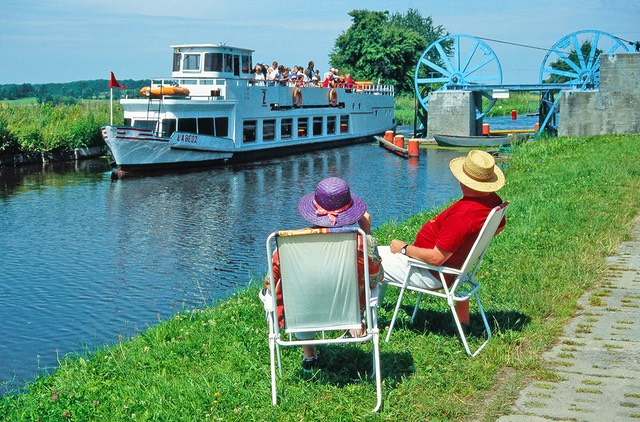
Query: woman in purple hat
[332, 205]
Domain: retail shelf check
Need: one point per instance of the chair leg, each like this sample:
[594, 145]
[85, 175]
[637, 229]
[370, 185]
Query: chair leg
[463, 337]
[376, 369]
[415, 310]
[272, 350]
[395, 313]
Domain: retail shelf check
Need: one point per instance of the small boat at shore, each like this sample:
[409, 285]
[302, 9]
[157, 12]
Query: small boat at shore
[472, 141]
[212, 111]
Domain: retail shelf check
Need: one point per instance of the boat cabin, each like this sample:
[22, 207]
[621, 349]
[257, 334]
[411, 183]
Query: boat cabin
[211, 61]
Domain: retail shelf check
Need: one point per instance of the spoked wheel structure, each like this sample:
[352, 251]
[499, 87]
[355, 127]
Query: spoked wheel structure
[454, 62]
[575, 59]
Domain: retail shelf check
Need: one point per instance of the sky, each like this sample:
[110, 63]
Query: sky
[69, 40]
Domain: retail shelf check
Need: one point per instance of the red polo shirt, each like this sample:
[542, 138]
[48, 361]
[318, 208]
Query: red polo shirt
[456, 228]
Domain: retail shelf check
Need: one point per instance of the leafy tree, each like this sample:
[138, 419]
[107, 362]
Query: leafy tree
[379, 45]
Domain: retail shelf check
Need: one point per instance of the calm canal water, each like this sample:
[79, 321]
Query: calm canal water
[84, 260]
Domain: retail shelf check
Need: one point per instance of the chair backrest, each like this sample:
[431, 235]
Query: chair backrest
[319, 278]
[483, 240]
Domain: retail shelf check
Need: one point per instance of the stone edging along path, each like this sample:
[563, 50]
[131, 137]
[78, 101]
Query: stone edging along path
[597, 358]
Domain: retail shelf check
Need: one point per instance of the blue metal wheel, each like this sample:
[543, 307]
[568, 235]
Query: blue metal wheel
[575, 59]
[456, 61]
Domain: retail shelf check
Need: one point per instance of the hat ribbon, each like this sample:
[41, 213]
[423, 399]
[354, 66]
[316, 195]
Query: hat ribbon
[332, 214]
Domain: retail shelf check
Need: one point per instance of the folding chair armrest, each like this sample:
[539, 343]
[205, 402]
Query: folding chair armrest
[441, 269]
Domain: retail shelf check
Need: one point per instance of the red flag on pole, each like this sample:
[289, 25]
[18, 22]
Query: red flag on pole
[113, 82]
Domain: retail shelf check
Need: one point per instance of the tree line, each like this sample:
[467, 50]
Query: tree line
[69, 92]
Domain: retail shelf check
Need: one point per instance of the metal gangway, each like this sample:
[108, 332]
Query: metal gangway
[467, 63]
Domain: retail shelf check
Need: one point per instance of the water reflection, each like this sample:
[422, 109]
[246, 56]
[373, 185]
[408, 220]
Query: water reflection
[86, 259]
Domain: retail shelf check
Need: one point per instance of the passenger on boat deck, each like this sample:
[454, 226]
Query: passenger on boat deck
[315, 79]
[272, 71]
[328, 82]
[259, 75]
[278, 74]
[284, 80]
[310, 70]
[348, 82]
[293, 79]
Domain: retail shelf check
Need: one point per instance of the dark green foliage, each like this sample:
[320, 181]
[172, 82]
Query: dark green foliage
[383, 46]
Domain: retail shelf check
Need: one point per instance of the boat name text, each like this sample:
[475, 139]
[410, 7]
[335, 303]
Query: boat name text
[188, 138]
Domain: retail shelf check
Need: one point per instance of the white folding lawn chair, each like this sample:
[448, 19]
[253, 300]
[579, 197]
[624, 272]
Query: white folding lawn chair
[464, 286]
[319, 283]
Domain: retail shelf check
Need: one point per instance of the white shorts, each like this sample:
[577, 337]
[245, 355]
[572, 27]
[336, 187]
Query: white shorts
[396, 267]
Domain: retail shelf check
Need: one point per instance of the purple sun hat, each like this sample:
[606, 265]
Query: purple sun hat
[332, 204]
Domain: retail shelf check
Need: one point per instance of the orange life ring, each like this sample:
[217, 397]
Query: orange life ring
[297, 97]
[158, 91]
[333, 97]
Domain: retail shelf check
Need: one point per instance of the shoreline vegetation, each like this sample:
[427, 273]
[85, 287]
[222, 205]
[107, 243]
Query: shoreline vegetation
[573, 200]
[28, 128]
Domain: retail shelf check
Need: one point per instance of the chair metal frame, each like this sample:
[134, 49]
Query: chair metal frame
[464, 286]
[319, 272]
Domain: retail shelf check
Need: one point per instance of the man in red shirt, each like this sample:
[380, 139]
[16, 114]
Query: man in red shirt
[447, 238]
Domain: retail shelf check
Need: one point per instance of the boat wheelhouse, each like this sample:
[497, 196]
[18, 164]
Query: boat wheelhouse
[212, 111]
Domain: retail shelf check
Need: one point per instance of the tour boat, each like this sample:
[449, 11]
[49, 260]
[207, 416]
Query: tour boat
[213, 111]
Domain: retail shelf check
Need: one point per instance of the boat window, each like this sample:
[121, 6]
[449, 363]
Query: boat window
[168, 126]
[249, 131]
[187, 125]
[344, 124]
[236, 65]
[303, 124]
[331, 125]
[176, 62]
[213, 62]
[286, 128]
[317, 125]
[145, 124]
[222, 126]
[228, 63]
[246, 64]
[191, 62]
[269, 130]
[205, 126]
[127, 122]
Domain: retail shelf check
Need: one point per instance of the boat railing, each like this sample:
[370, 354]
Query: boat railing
[214, 87]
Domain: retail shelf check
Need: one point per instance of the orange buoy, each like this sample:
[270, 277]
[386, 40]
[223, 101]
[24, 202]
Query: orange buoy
[536, 127]
[333, 97]
[159, 91]
[388, 136]
[414, 148]
[485, 129]
[399, 141]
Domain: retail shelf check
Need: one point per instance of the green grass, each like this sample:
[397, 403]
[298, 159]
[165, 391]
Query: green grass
[573, 201]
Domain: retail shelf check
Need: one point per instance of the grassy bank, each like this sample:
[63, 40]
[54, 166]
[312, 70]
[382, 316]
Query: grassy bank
[47, 127]
[572, 203]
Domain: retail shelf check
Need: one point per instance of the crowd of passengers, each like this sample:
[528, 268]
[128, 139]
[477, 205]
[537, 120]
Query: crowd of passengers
[299, 76]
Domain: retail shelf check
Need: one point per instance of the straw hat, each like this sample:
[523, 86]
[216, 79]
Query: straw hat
[478, 171]
[332, 204]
